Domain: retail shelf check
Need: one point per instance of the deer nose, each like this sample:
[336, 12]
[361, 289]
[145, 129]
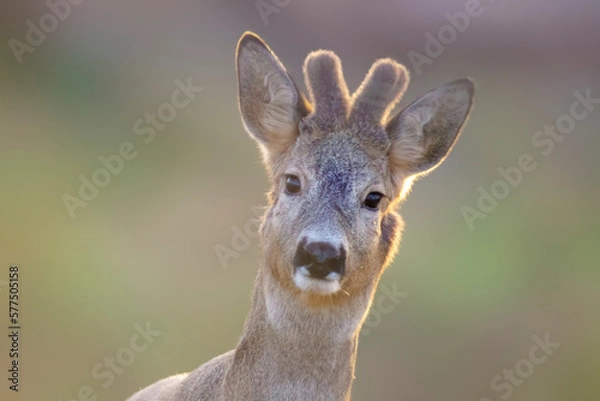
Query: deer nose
[320, 259]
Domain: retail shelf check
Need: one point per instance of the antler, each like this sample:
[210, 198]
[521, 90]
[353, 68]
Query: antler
[327, 89]
[379, 92]
[377, 95]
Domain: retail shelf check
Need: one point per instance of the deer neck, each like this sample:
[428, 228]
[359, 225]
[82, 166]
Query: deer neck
[295, 351]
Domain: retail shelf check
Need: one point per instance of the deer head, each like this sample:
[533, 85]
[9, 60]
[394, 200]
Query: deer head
[339, 164]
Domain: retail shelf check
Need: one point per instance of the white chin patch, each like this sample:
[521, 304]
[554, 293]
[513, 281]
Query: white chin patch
[326, 286]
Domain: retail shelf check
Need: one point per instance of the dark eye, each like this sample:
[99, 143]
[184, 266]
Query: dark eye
[292, 184]
[372, 200]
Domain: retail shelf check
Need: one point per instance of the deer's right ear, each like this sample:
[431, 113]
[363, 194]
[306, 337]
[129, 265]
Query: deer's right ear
[270, 104]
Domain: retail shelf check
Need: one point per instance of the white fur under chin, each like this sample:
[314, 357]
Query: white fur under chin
[326, 286]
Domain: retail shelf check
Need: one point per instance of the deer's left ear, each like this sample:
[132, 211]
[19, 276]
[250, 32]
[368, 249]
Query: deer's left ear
[424, 132]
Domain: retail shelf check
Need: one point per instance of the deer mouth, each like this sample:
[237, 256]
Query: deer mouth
[327, 284]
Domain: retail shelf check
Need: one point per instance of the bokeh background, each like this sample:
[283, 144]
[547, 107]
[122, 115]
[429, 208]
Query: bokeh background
[144, 250]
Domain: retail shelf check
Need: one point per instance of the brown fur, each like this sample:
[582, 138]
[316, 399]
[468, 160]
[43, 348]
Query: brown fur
[298, 344]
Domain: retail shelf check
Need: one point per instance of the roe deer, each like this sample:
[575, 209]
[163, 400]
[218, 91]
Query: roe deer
[339, 165]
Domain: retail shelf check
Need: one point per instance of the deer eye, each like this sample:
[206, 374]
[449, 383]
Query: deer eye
[292, 184]
[372, 200]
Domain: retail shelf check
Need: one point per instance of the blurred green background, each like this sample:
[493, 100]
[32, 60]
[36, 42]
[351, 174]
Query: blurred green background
[143, 250]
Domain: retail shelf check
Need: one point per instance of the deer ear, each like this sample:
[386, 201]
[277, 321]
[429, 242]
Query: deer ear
[424, 132]
[270, 104]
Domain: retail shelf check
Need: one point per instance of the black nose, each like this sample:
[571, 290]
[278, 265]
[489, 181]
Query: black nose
[320, 258]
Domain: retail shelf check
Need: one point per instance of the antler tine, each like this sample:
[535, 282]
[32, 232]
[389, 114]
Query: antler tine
[379, 92]
[327, 89]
